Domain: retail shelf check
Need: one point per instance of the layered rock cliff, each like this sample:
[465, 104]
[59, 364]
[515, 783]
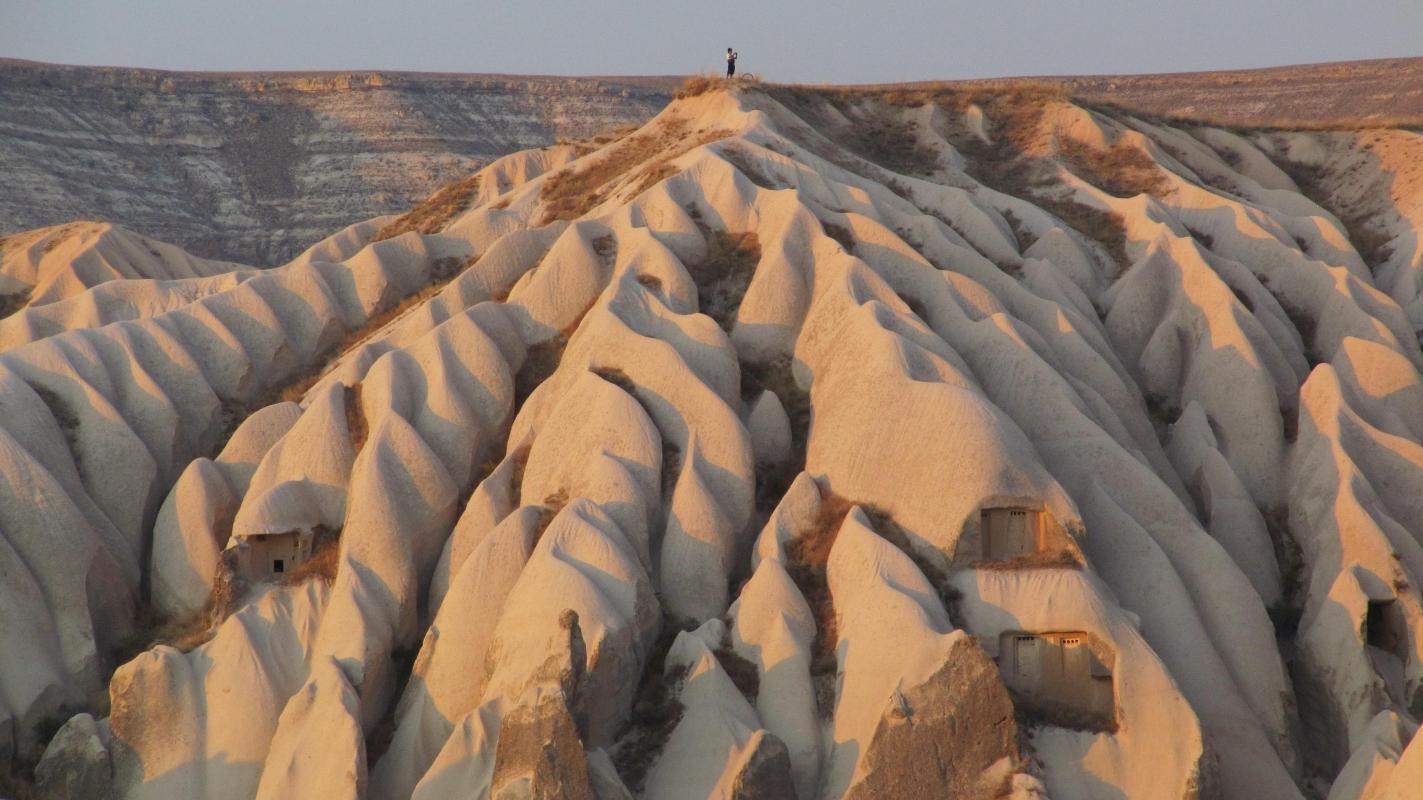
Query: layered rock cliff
[256, 167]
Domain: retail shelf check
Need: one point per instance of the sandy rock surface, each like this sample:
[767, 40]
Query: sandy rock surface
[800, 443]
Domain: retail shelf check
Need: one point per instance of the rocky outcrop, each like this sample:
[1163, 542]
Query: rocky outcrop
[1082, 448]
[76, 763]
[918, 749]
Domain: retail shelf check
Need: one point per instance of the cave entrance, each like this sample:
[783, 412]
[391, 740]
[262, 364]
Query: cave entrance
[1385, 628]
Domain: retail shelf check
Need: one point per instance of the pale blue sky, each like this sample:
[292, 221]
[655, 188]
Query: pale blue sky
[795, 40]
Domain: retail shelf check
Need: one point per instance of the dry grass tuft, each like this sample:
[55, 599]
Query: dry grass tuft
[574, 191]
[697, 85]
[1285, 615]
[541, 361]
[890, 143]
[1020, 232]
[184, 633]
[355, 415]
[704, 82]
[841, 234]
[618, 378]
[1106, 228]
[1373, 243]
[1015, 163]
[519, 459]
[653, 175]
[743, 673]
[588, 144]
[324, 561]
[1053, 559]
[1120, 170]
[655, 713]
[402, 664]
[192, 630]
[432, 215]
[1204, 239]
[552, 504]
[723, 276]
[67, 420]
[58, 238]
[13, 303]
[776, 377]
[739, 158]
[807, 555]
[671, 469]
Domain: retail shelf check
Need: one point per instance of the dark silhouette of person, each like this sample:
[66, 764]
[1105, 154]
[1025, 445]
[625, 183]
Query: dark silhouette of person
[730, 63]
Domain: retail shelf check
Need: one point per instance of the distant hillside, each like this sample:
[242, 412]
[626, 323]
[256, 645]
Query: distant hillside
[1386, 91]
[255, 167]
[1342, 94]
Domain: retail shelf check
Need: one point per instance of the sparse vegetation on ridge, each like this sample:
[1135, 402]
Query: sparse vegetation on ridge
[741, 670]
[576, 189]
[67, 421]
[584, 146]
[1016, 161]
[656, 710]
[435, 212]
[806, 558]
[540, 362]
[402, 664]
[697, 85]
[777, 377]
[235, 412]
[13, 303]
[1374, 244]
[1011, 163]
[704, 82]
[355, 415]
[725, 273]
[1120, 170]
[324, 561]
[744, 164]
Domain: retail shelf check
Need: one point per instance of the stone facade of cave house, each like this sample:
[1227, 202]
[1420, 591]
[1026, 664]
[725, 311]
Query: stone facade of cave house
[269, 556]
[1065, 677]
[1015, 532]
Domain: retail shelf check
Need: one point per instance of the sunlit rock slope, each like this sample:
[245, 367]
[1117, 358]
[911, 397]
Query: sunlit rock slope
[801, 443]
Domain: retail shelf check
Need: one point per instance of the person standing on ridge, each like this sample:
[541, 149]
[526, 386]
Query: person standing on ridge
[730, 63]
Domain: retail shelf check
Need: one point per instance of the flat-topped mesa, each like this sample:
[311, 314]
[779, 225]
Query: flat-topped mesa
[797, 440]
[256, 166]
